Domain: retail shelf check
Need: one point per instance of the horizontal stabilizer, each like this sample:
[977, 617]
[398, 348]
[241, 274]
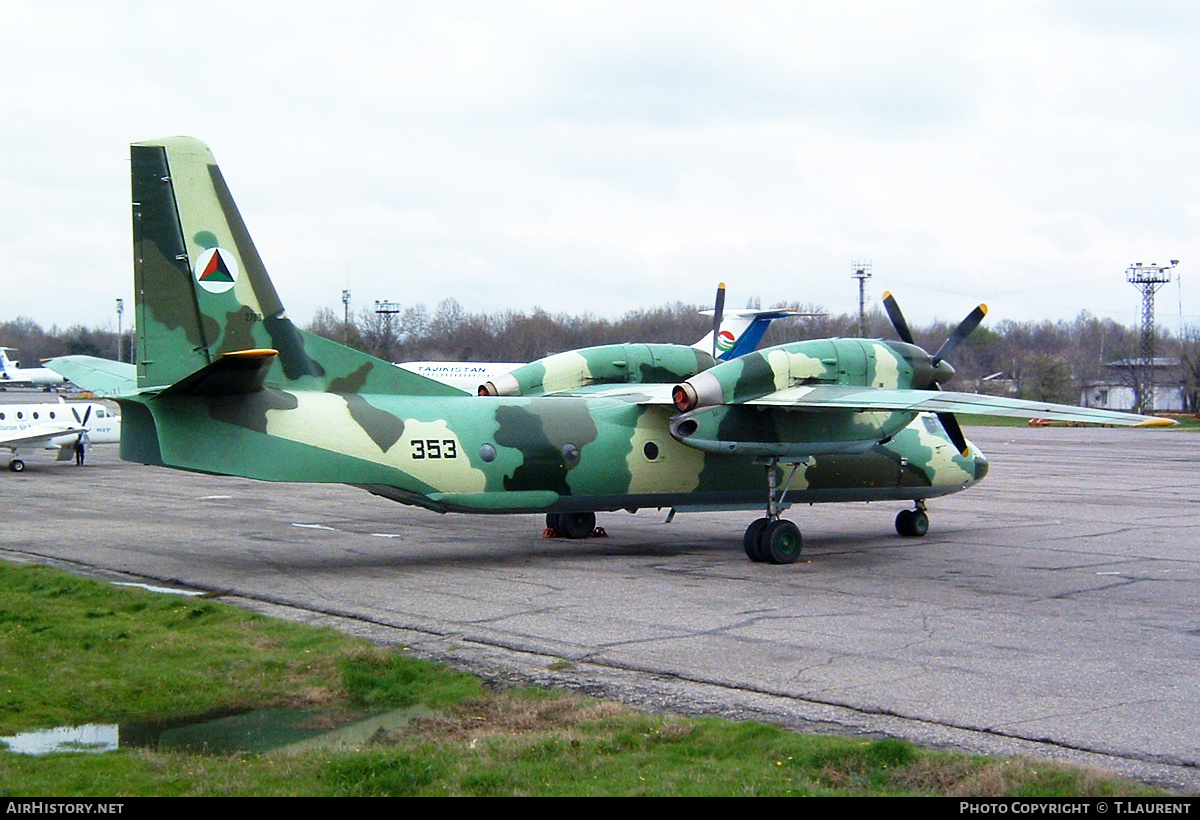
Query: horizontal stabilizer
[102, 377]
[233, 374]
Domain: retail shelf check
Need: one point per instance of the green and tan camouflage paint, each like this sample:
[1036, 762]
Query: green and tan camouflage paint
[226, 384]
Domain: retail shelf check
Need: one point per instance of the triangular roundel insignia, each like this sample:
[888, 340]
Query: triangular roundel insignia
[216, 270]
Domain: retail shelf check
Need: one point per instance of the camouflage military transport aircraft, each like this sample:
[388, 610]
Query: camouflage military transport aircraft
[226, 384]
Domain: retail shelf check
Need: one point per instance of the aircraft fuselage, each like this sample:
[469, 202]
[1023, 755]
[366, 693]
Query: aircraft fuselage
[473, 454]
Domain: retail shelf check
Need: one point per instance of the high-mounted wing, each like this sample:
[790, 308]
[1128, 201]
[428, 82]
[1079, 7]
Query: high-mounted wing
[931, 401]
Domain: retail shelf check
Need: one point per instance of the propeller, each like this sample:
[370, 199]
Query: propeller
[964, 329]
[718, 316]
[893, 312]
[942, 371]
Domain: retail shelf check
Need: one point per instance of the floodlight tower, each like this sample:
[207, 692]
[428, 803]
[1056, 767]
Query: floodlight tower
[387, 310]
[1148, 279]
[862, 272]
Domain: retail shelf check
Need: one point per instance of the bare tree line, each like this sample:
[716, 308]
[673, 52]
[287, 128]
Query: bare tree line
[1044, 360]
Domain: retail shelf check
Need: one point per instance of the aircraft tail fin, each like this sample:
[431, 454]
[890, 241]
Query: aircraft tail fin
[203, 294]
[741, 331]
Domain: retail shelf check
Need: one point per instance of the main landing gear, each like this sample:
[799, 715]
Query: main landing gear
[571, 524]
[913, 523]
[16, 465]
[774, 540]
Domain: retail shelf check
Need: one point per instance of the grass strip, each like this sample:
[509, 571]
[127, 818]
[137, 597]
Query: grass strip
[75, 651]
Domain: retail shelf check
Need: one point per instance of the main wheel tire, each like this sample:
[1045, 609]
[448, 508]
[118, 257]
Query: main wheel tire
[16, 465]
[752, 540]
[781, 542]
[576, 524]
[552, 521]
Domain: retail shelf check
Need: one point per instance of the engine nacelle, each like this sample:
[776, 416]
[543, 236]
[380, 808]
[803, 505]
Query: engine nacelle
[848, 362]
[780, 432]
[606, 364]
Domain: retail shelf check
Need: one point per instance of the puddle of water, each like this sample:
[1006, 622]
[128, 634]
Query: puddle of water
[280, 731]
[93, 738]
[152, 588]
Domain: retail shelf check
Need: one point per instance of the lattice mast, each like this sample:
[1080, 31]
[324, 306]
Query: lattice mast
[1148, 279]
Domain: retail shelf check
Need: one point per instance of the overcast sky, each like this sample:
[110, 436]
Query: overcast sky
[588, 156]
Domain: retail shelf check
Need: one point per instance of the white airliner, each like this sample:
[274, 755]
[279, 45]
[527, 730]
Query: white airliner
[11, 373]
[740, 333]
[55, 426]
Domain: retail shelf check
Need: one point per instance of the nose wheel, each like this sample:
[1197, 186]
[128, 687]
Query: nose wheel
[16, 465]
[913, 523]
[774, 540]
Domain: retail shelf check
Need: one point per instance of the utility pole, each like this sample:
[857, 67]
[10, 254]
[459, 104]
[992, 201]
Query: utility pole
[346, 316]
[1148, 279]
[862, 272]
[120, 310]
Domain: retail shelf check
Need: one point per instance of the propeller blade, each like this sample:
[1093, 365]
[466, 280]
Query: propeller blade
[893, 312]
[960, 333]
[718, 316]
[950, 425]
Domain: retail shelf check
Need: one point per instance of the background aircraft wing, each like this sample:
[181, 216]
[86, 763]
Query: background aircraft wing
[103, 377]
[37, 436]
[834, 397]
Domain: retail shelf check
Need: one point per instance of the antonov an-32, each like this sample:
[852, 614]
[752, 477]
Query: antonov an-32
[227, 384]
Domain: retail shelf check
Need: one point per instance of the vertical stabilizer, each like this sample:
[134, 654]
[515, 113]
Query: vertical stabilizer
[203, 292]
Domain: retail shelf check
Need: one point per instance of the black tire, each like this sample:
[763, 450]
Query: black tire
[576, 524]
[552, 520]
[16, 465]
[752, 540]
[781, 542]
[912, 523]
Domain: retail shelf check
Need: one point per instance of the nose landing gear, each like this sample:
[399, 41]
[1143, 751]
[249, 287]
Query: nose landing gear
[913, 523]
